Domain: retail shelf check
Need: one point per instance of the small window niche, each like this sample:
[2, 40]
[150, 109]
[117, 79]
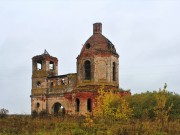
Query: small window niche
[51, 65]
[38, 84]
[39, 65]
[37, 105]
[63, 81]
[51, 84]
[88, 46]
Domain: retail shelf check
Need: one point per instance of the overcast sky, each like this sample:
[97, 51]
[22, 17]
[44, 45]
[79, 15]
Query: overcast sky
[146, 34]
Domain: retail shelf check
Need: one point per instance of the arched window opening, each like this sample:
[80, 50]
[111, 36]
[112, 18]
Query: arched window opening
[114, 71]
[56, 109]
[87, 68]
[37, 105]
[51, 65]
[63, 81]
[89, 105]
[39, 65]
[77, 104]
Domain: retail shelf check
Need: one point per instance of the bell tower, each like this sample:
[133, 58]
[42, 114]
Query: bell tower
[43, 66]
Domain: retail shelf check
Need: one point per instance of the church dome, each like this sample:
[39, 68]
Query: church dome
[98, 44]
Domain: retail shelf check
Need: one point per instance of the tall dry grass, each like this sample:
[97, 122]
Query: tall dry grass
[73, 125]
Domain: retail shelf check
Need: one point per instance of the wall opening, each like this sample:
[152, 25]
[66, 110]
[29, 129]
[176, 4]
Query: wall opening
[87, 68]
[58, 109]
[37, 105]
[38, 84]
[88, 46]
[77, 105]
[63, 81]
[114, 71]
[51, 84]
[39, 65]
[89, 105]
[51, 65]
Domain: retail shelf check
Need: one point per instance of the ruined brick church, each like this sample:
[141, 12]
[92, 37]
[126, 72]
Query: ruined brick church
[75, 93]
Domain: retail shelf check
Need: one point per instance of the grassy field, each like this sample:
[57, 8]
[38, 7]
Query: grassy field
[69, 125]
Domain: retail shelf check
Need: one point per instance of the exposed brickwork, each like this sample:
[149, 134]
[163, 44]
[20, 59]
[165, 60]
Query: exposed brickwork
[97, 66]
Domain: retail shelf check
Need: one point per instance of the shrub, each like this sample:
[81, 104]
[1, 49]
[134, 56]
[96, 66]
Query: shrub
[34, 114]
[3, 113]
[43, 114]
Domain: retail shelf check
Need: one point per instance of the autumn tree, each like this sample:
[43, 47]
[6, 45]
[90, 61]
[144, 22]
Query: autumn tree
[111, 105]
[161, 110]
[3, 113]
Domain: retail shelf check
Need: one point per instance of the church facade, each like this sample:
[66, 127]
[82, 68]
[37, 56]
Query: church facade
[75, 93]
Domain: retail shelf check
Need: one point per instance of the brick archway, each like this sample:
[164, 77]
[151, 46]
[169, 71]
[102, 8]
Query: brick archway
[58, 109]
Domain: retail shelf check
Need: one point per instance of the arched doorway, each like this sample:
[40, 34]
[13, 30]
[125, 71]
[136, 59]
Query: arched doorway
[89, 105]
[58, 109]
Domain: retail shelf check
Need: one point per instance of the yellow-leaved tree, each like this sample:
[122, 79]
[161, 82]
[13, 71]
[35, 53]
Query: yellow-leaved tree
[161, 110]
[111, 105]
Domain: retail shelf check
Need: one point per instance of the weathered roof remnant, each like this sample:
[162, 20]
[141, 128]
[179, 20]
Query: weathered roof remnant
[98, 44]
[44, 56]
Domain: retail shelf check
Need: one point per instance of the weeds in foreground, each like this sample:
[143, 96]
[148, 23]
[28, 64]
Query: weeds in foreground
[73, 125]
